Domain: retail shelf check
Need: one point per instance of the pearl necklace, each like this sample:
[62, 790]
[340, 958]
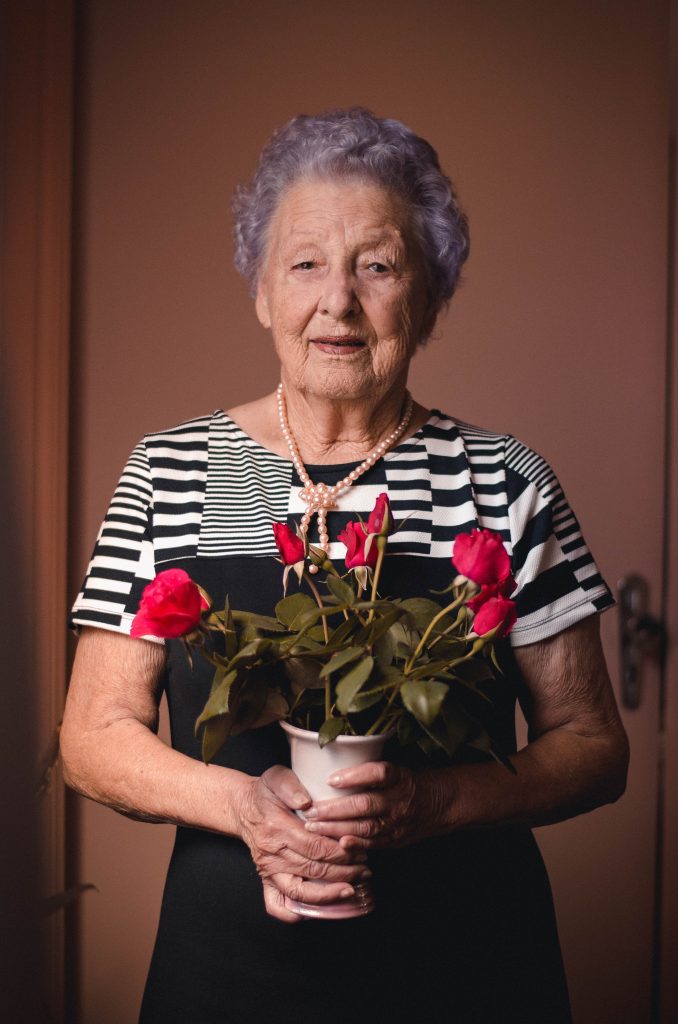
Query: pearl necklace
[319, 498]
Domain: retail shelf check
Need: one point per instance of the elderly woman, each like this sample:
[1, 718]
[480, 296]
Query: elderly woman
[352, 240]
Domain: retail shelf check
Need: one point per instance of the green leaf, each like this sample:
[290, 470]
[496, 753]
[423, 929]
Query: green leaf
[352, 683]
[215, 733]
[330, 729]
[340, 659]
[341, 590]
[265, 622]
[252, 652]
[451, 729]
[450, 648]
[219, 697]
[304, 645]
[383, 622]
[367, 699]
[248, 700]
[384, 650]
[344, 630]
[421, 610]
[393, 676]
[304, 673]
[316, 633]
[407, 730]
[424, 698]
[290, 608]
[403, 642]
[230, 638]
[428, 668]
[307, 617]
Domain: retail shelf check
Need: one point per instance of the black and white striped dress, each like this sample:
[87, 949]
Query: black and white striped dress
[471, 913]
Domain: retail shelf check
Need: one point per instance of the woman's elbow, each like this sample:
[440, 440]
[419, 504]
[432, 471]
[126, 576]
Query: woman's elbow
[615, 767]
[75, 763]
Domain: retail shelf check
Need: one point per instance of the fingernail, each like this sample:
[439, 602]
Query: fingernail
[336, 779]
[299, 799]
[366, 873]
[311, 813]
[345, 893]
[312, 826]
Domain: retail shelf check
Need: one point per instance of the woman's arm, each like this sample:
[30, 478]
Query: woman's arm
[576, 759]
[112, 754]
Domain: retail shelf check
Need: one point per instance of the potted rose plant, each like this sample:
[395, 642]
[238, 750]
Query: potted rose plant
[340, 666]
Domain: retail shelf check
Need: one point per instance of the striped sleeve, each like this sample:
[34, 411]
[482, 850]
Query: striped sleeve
[123, 559]
[558, 581]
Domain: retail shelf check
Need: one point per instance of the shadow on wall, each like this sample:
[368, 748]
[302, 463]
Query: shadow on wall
[22, 957]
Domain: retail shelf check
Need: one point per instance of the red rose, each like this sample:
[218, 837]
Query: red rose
[171, 606]
[381, 517]
[290, 546]
[480, 556]
[354, 537]
[495, 612]
[504, 589]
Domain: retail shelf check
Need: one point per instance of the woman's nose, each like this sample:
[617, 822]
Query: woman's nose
[338, 299]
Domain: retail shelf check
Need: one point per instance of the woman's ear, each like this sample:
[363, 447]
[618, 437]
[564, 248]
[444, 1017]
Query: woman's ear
[261, 306]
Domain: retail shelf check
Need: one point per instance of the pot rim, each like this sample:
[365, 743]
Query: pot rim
[294, 730]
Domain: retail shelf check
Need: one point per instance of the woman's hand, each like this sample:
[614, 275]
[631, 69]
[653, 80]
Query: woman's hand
[395, 807]
[291, 861]
[111, 754]
[576, 759]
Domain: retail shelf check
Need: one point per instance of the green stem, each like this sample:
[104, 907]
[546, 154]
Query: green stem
[323, 619]
[436, 618]
[444, 633]
[381, 547]
[384, 712]
[319, 602]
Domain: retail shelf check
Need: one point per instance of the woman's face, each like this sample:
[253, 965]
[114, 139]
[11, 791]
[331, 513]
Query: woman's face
[343, 289]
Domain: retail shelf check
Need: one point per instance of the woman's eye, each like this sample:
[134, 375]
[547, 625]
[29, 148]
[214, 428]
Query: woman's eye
[377, 268]
[304, 265]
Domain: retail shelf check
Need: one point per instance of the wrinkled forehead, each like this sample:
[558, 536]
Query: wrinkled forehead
[353, 211]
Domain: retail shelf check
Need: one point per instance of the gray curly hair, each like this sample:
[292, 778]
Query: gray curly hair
[355, 143]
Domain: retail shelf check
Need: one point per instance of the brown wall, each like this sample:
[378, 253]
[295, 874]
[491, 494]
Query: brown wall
[549, 117]
[36, 77]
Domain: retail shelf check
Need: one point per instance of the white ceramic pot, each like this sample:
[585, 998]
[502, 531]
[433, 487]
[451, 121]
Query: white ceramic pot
[313, 765]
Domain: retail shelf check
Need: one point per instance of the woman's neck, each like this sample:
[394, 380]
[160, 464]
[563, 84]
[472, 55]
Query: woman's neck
[328, 432]
[332, 430]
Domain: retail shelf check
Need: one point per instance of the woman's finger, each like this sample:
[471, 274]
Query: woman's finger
[324, 870]
[284, 784]
[362, 828]
[368, 804]
[302, 891]
[274, 901]
[370, 775]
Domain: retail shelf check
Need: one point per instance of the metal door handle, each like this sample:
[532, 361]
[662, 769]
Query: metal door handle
[641, 635]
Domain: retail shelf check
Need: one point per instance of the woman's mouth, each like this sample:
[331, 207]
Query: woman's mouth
[340, 346]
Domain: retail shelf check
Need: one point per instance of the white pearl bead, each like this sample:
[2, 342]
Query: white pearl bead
[319, 497]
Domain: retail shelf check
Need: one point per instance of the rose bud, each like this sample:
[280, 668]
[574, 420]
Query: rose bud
[480, 556]
[381, 517]
[497, 613]
[489, 590]
[290, 546]
[171, 606]
[354, 537]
